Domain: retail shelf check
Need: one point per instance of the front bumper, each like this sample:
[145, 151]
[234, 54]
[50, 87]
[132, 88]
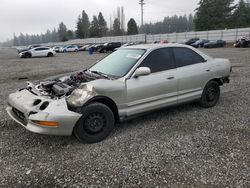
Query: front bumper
[21, 109]
[21, 54]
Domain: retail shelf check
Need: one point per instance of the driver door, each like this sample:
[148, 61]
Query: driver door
[156, 90]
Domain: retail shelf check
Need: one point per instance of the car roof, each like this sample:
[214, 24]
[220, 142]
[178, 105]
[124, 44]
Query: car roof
[40, 47]
[156, 46]
[152, 47]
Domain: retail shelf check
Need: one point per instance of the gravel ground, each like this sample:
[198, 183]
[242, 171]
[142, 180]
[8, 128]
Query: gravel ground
[184, 146]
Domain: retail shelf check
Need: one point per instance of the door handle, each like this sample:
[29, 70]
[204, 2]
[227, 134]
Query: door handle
[170, 78]
[208, 70]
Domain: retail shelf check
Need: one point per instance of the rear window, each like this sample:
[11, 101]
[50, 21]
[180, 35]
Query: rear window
[186, 56]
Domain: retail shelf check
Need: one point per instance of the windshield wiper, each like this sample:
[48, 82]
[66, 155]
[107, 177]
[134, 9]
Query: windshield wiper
[100, 74]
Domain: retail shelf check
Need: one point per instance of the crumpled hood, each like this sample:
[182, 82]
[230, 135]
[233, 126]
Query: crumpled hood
[113, 89]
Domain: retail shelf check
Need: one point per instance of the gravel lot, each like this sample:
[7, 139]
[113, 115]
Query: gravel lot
[184, 146]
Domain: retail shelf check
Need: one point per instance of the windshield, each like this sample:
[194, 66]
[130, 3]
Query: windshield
[119, 62]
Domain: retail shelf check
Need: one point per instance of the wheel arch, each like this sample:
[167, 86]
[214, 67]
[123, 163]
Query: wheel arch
[108, 102]
[50, 54]
[218, 80]
[28, 53]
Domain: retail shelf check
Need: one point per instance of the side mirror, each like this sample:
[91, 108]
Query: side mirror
[142, 71]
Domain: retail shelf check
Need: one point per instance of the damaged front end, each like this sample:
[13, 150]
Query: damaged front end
[60, 86]
[45, 108]
[81, 95]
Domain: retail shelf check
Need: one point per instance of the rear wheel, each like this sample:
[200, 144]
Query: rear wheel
[210, 95]
[95, 124]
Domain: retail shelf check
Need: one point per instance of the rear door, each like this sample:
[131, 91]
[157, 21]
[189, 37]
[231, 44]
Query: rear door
[159, 89]
[70, 48]
[44, 52]
[193, 72]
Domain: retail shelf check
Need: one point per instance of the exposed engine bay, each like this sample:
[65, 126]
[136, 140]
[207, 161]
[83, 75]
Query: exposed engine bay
[57, 88]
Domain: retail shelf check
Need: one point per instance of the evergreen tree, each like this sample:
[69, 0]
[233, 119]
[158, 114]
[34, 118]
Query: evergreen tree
[62, 32]
[241, 15]
[132, 27]
[82, 26]
[169, 25]
[21, 39]
[15, 40]
[48, 36]
[94, 28]
[79, 28]
[70, 34]
[55, 37]
[102, 25]
[213, 14]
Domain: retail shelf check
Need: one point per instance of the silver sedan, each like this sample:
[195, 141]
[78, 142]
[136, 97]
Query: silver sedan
[129, 82]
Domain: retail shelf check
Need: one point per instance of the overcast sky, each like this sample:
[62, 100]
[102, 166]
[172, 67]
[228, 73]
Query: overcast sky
[35, 16]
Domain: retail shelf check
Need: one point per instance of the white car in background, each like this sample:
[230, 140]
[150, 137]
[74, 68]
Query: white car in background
[70, 48]
[38, 52]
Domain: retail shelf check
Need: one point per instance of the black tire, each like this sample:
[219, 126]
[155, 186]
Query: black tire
[27, 55]
[50, 54]
[210, 95]
[96, 123]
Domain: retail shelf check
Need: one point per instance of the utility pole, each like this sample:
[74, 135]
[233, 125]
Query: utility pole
[141, 2]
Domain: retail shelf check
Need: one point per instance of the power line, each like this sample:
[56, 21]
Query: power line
[142, 3]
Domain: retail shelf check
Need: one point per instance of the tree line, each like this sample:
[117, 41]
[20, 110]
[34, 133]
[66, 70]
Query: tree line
[170, 25]
[84, 29]
[210, 15]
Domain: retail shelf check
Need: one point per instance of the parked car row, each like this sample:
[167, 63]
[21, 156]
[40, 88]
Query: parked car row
[106, 47]
[204, 43]
[40, 51]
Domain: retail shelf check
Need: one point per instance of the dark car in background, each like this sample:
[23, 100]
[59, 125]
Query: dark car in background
[200, 43]
[97, 47]
[215, 44]
[191, 41]
[110, 47]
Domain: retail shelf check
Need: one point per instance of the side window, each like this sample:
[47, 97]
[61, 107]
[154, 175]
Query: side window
[159, 60]
[41, 49]
[186, 56]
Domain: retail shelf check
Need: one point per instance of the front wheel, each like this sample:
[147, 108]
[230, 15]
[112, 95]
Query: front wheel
[96, 123]
[210, 95]
[50, 54]
[27, 55]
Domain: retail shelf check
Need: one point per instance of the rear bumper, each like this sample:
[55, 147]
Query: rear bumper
[21, 110]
